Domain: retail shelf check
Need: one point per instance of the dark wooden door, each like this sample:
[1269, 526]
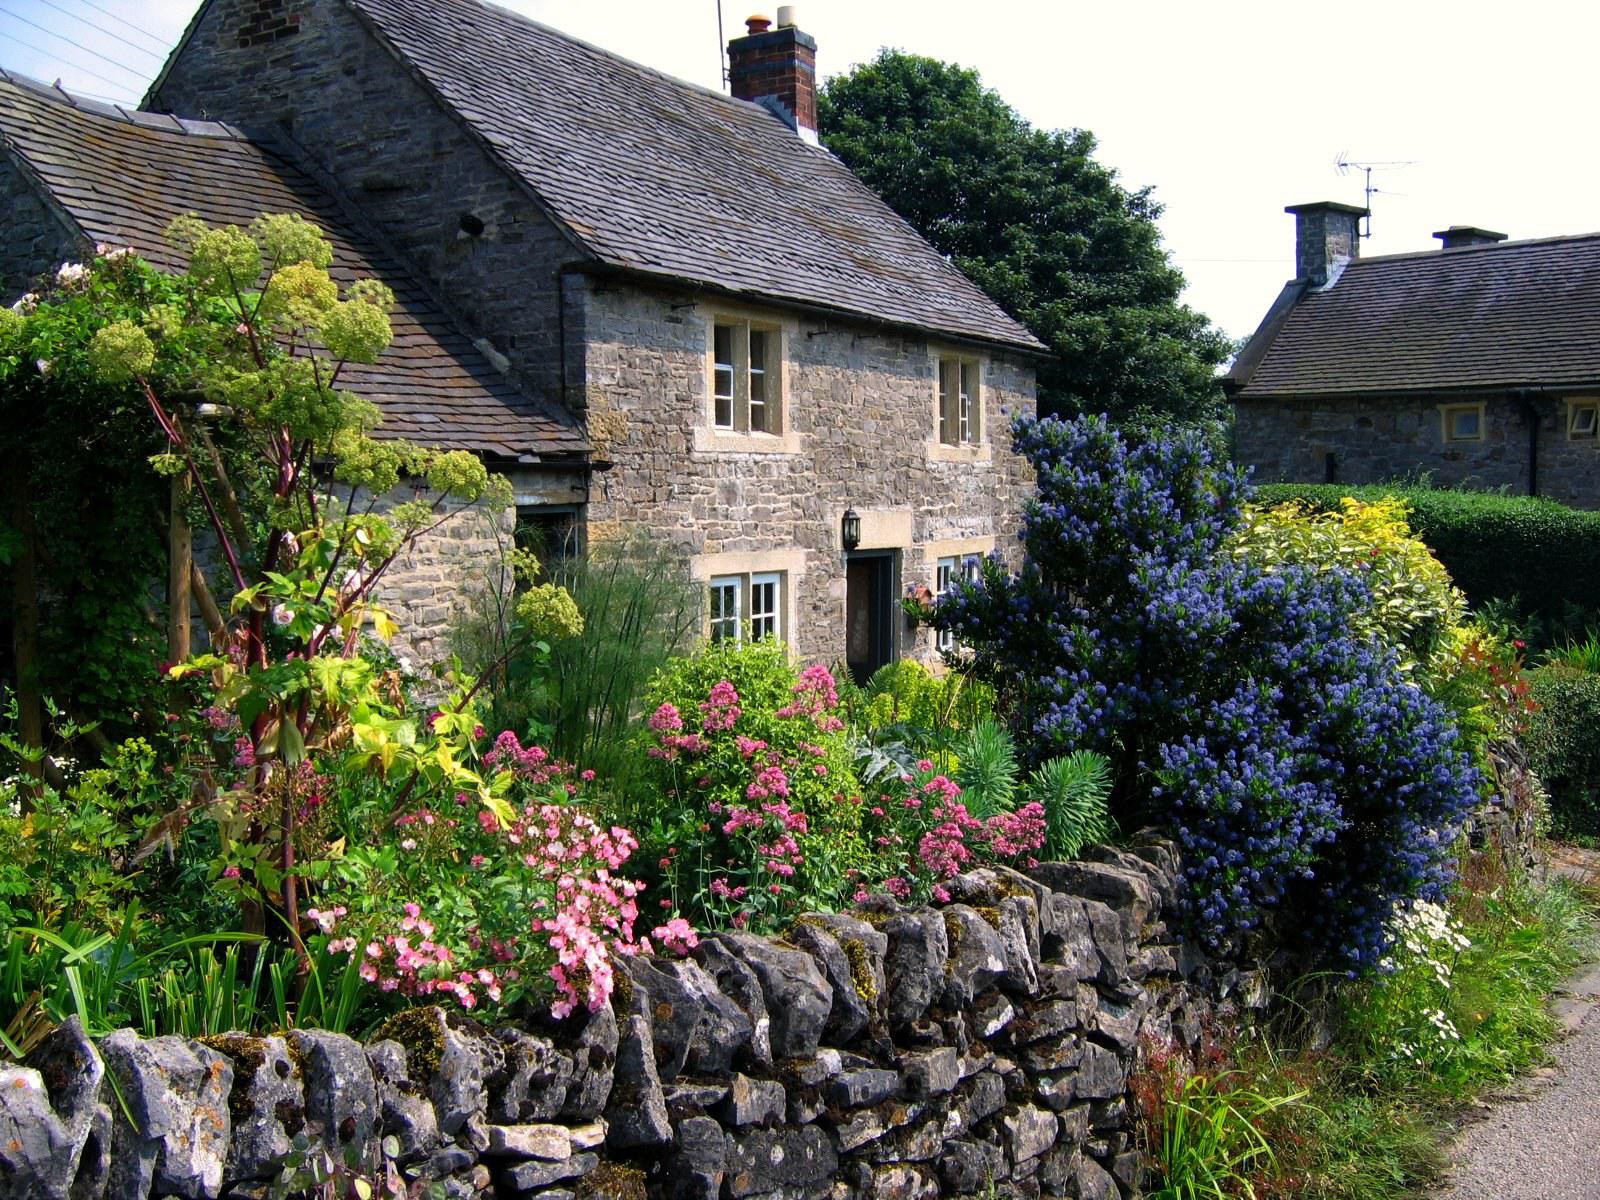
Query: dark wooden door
[869, 612]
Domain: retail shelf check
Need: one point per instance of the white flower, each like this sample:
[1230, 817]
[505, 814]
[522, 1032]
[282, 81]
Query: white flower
[27, 304]
[404, 664]
[72, 275]
[282, 614]
[112, 253]
[45, 366]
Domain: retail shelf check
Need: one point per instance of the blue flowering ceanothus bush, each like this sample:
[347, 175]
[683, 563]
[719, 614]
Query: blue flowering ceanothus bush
[1312, 786]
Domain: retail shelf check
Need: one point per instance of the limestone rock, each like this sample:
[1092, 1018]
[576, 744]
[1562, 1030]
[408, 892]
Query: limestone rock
[636, 1112]
[532, 1080]
[268, 1106]
[753, 1102]
[914, 964]
[858, 1089]
[1029, 1132]
[798, 998]
[976, 956]
[864, 949]
[594, 1051]
[1101, 1074]
[35, 1146]
[341, 1095]
[736, 981]
[930, 1072]
[697, 1165]
[778, 1160]
[1125, 890]
[549, 1142]
[402, 1105]
[1019, 946]
[851, 1009]
[177, 1094]
[968, 1167]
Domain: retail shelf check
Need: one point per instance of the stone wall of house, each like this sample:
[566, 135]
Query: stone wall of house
[1375, 441]
[859, 419]
[982, 1048]
[322, 81]
[35, 238]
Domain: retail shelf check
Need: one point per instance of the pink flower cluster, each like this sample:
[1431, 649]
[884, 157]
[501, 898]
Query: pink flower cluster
[532, 765]
[816, 695]
[677, 935]
[720, 709]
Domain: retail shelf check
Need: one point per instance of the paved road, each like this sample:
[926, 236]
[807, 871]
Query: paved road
[1544, 1144]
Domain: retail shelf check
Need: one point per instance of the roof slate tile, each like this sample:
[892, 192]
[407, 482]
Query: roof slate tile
[122, 178]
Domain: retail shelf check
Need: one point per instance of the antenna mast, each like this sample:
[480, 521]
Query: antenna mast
[1344, 164]
[722, 48]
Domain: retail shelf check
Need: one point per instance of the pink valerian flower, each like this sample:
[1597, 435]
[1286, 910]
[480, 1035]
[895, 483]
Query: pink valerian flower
[770, 782]
[244, 753]
[677, 935]
[816, 696]
[230, 872]
[749, 746]
[720, 709]
[897, 887]
[1017, 834]
[666, 719]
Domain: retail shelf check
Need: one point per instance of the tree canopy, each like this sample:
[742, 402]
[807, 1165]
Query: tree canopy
[1042, 227]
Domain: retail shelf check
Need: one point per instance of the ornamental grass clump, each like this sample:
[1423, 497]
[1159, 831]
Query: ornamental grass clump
[1310, 782]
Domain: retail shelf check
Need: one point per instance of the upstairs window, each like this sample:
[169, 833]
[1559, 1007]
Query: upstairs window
[1462, 422]
[746, 378]
[960, 409]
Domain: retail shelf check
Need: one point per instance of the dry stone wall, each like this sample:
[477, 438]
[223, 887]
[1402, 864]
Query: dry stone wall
[889, 1054]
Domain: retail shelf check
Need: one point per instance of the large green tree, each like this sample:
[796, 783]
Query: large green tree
[1042, 227]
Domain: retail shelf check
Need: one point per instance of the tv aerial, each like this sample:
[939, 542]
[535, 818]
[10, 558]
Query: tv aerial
[1344, 164]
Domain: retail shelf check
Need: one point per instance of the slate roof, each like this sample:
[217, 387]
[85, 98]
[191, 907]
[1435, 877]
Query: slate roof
[1515, 314]
[122, 175]
[651, 174]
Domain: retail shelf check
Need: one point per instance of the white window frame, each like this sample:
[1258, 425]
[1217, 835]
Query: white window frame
[958, 399]
[1448, 414]
[751, 619]
[721, 624]
[950, 569]
[766, 620]
[1583, 419]
[747, 374]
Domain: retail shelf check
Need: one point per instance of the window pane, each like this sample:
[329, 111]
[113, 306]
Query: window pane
[722, 374]
[1584, 420]
[764, 596]
[758, 381]
[724, 609]
[944, 580]
[969, 401]
[1464, 424]
[949, 385]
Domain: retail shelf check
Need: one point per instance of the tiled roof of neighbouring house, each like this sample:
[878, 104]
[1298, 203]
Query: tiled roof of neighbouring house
[121, 176]
[654, 175]
[1505, 315]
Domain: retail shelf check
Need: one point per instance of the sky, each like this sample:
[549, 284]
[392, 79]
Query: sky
[1229, 110]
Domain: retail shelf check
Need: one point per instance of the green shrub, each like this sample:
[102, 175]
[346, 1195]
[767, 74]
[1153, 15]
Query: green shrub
[1533, 557]
[987, 770]
[1563, 746]
[1073, 789]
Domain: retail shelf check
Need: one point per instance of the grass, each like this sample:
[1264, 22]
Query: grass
[1463, 1009]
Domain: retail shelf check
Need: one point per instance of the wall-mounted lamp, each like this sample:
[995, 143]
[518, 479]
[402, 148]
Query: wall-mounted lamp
[850, 529]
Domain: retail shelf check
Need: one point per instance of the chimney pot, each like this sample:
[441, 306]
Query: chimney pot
[1458, 236]
[1327, 235]
[777, 68]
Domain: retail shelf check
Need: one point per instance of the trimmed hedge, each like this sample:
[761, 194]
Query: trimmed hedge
[1563, 747]
[1539, 557]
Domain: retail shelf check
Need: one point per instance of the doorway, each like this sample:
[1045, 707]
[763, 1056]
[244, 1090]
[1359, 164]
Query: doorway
[869, 610]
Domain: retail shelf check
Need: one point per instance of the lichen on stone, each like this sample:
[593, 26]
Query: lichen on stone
[855, 950]
[612, 1181]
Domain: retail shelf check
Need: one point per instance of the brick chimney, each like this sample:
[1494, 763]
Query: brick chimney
[1458, 236]
[777, 68]
[1326, 237]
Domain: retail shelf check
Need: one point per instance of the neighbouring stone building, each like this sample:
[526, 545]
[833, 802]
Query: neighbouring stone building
[1475, 365]
[653, 305]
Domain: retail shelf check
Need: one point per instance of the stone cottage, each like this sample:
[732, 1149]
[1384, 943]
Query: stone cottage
[1476, 364]
[653, 305]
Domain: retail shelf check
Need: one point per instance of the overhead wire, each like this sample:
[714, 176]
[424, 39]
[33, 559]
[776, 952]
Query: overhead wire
[116, 37]
[27, 45]
[64, 38]
[121, 21]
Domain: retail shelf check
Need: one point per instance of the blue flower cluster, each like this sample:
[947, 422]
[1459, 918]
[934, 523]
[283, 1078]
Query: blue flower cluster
[1311, 784]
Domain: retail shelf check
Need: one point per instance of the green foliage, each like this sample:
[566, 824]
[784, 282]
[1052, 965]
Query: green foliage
[1581, 655]
[1463, 1004]
[988, 769]
[1414, 604]
[1074, 789]
[737, 731]
[1041, 226]
[1536, 561]
[1563, 744]
[1208, 1139]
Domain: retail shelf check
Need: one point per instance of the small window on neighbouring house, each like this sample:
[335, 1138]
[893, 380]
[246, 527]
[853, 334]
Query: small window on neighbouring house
[960, 410]
[1583, 419]
[765, 593]
[1462, 422]
[549, 532]
[725, 624]
[746, 378]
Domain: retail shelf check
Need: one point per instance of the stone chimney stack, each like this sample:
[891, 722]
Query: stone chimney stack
[1458, 236]
[777, 68]
[1326, 237]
